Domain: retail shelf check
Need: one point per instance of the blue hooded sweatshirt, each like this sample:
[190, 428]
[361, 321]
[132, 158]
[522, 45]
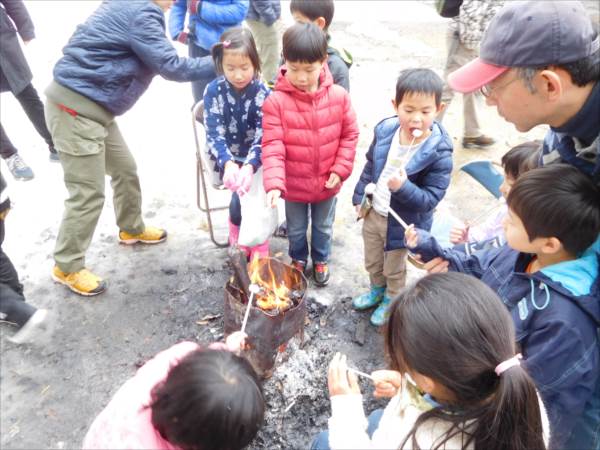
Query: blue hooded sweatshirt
[556, 312]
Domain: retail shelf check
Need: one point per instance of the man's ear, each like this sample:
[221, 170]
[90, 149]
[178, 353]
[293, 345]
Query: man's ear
[320, 22]
[551, 246]
[551, 85]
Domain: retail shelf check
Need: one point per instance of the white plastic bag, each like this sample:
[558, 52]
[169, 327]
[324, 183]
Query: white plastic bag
[259, 220]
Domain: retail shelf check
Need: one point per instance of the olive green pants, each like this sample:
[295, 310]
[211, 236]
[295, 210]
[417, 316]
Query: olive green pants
[88, 151]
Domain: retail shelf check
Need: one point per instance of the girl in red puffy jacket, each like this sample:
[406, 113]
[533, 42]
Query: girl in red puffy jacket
[309, 141]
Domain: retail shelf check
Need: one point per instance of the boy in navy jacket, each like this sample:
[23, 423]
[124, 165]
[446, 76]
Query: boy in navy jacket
[547, 275]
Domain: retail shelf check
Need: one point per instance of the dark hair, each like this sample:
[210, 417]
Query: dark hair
[212, 399]
[423, 81]
[239, 40]
[313, 9]
[304, 42]
[521, 158]
[455, 330]
[558, 201]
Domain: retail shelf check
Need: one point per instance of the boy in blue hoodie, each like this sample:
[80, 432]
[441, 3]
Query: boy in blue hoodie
[547, 275]
[408, 164]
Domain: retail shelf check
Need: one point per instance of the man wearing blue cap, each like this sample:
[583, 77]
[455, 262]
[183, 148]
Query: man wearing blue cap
[539, 63]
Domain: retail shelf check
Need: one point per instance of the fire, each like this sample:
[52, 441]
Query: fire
[273, 294]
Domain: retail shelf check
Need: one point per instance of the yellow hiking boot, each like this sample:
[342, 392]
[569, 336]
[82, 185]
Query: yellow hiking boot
[151, 235]
[83, 282]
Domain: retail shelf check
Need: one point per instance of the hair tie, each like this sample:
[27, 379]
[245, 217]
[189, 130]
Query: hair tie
[226, 43]
[505, 365]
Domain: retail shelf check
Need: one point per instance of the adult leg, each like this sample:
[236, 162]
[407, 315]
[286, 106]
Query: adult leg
[268, 44]
[296, 214]
[198, 86]
[452, 43]
[322, 217]
[127, 193]
[34, 108]
[7, 149]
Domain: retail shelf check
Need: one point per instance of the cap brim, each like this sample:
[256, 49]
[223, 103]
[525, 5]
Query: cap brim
[474, 75]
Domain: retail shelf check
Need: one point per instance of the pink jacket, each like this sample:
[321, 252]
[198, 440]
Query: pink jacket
[126, 422]
[306, 137]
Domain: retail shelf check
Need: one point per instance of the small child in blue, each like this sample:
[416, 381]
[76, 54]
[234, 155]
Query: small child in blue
[409, 164]
[233, 118]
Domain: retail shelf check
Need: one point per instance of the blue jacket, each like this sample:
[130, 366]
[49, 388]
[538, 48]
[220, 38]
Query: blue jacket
[112, 57]
[212, 19]
[265, 11]
[233, 121]
[585, 128]
[428, 178]
[556, 312]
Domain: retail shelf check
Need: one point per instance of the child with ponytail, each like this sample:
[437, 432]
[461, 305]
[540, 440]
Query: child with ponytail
[233, 118]
[452, 335]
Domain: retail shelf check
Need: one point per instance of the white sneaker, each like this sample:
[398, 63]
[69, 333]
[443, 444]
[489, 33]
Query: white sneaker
[18, 168]
[31, 328]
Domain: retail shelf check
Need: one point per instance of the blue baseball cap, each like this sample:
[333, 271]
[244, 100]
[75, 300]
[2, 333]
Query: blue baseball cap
[529, 34]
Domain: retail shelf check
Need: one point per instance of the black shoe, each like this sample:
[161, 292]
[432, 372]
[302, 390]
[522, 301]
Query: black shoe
[321, 273]
[300, 266]
[482, 141]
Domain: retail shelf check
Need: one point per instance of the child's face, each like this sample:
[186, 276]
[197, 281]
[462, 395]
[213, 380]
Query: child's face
[303, 75]
[516, 235]
[506, 185]
[301, 18]
[416, 111]
[238, 69]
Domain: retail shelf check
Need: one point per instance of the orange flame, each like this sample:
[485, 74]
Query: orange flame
[273, 294]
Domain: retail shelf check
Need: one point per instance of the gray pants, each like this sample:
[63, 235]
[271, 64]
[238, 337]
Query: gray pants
[88, 151]
[458, 56]
[268, 43]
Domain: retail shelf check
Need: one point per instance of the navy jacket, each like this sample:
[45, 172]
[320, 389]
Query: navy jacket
[265, 11]
[112, 57]
[556, 312]
[577, 142]
[428, 178]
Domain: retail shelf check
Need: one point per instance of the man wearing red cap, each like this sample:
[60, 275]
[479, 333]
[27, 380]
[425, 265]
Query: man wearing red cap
[540, 64]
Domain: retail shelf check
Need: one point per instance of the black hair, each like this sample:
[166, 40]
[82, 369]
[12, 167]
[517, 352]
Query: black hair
[422, 81]
[211, 400]
[455, 330]
[558, 201]
[521, 158]
[304, 42]
[240, 40]
[313, 9]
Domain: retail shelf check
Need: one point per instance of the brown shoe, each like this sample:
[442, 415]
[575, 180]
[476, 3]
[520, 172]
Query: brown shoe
[479, 141]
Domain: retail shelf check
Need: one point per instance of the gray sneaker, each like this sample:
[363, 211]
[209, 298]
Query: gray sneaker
[18, 168]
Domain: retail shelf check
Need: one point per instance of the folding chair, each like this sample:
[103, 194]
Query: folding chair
[484, 171]
[204, 169]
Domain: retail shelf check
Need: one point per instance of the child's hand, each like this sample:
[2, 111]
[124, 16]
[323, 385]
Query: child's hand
[459, 235]
[244, 179]
[236, 341]
[411, 238]
[230, 176]
[397, 180]
[339, 380]
[333, 181]
[273, 197]
[387, 383]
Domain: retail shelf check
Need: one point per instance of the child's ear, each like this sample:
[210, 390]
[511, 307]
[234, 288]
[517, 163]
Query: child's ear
[441, 108]
[320, 22]
[551, 246]
[394, 105]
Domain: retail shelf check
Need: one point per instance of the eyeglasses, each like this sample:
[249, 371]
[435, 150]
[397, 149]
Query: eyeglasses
[487, 91]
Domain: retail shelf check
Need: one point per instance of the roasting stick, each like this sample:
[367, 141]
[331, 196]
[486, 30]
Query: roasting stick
[415, 134]
[253, 290]
[362, 374]
[398, 218]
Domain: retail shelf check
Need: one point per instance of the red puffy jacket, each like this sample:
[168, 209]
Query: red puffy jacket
[306, 137]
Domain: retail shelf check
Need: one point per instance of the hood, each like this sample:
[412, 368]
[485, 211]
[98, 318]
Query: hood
[325, 81]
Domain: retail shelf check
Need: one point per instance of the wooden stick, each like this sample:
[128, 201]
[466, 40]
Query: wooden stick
[240, 269]
[362, 374]
[253, 288]
[397, 217]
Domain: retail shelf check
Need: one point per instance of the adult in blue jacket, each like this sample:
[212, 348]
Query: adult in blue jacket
[107, 65]
[207, 20]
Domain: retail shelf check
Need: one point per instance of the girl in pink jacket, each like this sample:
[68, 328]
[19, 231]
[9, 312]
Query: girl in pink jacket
[185, 398]
[309, 141]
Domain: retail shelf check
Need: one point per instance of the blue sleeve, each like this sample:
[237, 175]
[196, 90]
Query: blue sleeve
[254, 153]
[366, 175]
[433, 185]
[177, 18]
[226, 14]
[216, 129]
[564, 369]
[265, 10]
[149, 43]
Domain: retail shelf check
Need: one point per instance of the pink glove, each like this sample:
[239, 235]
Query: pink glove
[230, 177]
[244, 179]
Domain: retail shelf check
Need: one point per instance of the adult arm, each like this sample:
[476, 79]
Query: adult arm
[265, 11]
[215, 125]
[344, 160]
[149, 43]
[16, 10]
[273, 147]
[223, 13]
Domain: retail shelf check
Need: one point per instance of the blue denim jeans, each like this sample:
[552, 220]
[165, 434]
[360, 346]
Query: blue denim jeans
[321, 442]
[322, 215]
